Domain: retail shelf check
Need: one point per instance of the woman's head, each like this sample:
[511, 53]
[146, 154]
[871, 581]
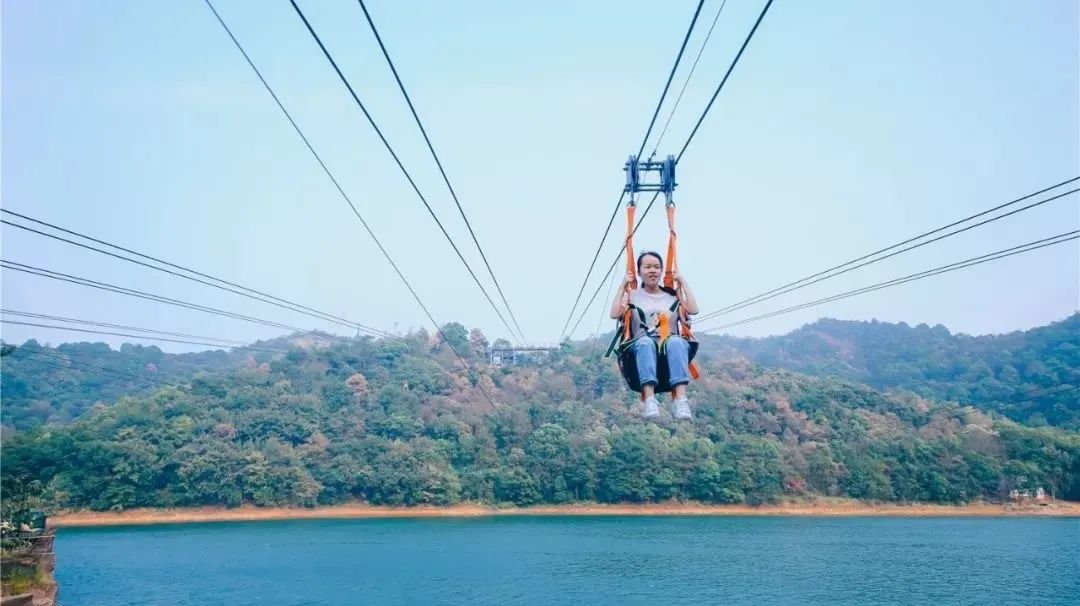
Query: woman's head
[650, 267]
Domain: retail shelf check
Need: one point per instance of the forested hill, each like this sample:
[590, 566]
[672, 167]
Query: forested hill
[400, 422]
[45, 385]
[1031, 376]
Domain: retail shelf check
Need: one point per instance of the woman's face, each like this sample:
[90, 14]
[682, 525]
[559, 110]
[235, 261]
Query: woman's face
[650, 271]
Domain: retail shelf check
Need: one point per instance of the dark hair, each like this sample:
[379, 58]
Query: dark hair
[649, 253]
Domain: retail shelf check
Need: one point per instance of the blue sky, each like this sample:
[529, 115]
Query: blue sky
[846, 126]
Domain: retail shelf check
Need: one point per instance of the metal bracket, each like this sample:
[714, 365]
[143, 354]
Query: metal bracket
[636, 169]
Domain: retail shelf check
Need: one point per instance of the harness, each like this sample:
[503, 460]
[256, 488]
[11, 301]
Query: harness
[622, 340]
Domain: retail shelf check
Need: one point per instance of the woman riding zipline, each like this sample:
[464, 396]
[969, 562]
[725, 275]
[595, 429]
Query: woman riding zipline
[653, 341]
[655, 337]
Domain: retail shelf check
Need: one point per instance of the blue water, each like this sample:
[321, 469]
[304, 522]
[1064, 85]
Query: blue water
[601, 561]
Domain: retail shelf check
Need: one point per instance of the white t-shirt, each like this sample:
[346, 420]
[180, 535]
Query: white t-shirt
[654, 306]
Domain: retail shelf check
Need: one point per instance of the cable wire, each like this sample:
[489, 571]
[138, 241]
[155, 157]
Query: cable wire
[120, 334]
[909, 240]
[397, 160]
[257, 297]
[725, 79]
[599, 286]
[55, 275]
[1001, 254]
[344, 195]
[731, 68]
[225, 342]
[690, 75]
[644, 140]
[69, 359]
[603, 316]
[442, 171]
[849, 266]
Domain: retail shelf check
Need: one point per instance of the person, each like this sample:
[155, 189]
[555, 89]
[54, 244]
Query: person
[656, 302]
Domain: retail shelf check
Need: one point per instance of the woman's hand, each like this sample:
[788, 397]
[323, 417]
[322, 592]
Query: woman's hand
[622, 297]
[631, 281]
[689, 301]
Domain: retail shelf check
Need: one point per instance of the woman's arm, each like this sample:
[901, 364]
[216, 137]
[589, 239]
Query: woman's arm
[622, 300]
[689, 302]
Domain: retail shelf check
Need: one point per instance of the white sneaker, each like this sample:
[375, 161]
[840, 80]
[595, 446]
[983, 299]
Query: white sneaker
[680, 409]
[652, 408]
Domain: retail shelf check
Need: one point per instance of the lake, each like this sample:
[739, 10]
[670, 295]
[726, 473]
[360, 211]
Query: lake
[576, 560]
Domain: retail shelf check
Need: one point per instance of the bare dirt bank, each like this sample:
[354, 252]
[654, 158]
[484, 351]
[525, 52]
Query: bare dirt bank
[827, 508]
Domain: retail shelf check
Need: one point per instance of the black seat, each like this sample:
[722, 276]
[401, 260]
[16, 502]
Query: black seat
[628, 368]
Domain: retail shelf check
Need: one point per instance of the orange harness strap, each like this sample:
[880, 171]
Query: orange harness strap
[631, 268]
[672, 264]
[669, 282]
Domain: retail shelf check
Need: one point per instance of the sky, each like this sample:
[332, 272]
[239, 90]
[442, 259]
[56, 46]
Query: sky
[845, 127]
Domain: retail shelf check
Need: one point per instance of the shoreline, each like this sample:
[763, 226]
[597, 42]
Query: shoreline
[840, 508]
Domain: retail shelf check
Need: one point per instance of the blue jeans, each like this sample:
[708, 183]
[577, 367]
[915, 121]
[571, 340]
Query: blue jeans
[678, 359]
